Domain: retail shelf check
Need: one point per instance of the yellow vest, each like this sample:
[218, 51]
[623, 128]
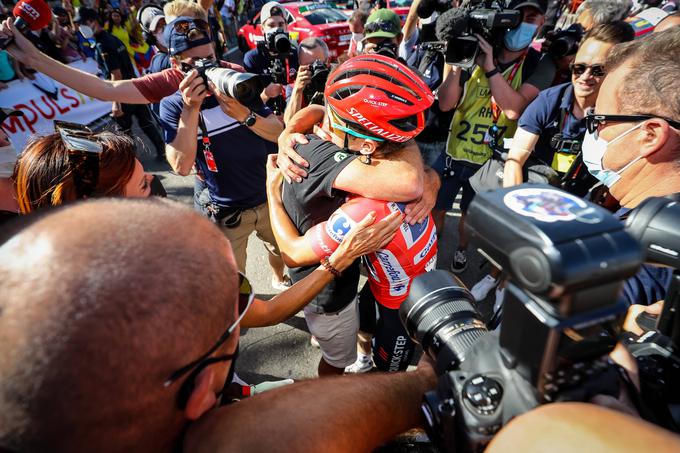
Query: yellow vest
[473, 118]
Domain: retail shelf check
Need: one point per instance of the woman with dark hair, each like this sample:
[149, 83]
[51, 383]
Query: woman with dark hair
[74, 164]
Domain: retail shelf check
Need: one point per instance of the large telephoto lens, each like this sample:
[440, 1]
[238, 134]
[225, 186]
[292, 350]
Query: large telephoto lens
[439, 315]
[242, 86]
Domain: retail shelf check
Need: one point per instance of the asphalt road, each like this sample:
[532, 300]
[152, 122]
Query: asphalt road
[284, 351]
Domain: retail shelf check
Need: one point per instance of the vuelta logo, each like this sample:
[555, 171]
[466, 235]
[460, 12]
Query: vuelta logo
[376, 103]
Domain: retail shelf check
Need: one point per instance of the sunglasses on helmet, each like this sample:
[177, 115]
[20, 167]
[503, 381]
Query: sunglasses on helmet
[84, 152]
[382, 25]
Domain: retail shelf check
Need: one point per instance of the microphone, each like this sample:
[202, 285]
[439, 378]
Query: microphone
[29, 15]
[452, 24]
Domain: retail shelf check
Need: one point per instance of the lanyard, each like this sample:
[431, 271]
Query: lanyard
[207, 153]
[495, 109]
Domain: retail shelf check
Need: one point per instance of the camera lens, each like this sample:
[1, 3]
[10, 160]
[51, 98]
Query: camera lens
[439, 314]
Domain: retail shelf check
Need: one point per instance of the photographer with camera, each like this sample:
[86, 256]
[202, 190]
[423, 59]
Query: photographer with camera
[488, 103]
[552, 127]
[276, 56]
[382, 33]
[231, 151]
[311, 78]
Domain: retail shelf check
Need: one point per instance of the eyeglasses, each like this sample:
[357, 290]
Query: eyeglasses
[578, 69]
[594, 121]
[245, 300]
[184, 26]
[381, 25]
[84, 152]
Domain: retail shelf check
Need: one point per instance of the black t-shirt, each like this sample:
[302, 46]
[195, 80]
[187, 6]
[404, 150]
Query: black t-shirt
[313, 201]
[111, 54]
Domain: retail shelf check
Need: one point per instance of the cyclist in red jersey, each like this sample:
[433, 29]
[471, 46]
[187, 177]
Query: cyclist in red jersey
[374, 106]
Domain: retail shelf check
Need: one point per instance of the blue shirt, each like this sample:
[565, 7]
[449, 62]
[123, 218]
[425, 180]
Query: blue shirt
[240, 154]
[257, 60]
[550, 114]
[650, 284]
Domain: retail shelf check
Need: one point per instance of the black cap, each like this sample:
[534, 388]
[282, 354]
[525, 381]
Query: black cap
[541, 5]
[85, 14]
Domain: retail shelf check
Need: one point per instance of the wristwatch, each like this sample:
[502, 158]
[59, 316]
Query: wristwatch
[250, 119]
[492, 73]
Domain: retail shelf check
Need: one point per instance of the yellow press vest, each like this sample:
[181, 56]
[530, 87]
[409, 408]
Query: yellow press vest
[473, 118]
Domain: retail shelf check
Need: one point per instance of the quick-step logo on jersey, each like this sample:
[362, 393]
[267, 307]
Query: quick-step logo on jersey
[397, 277]
[423, 253]
[338, 225]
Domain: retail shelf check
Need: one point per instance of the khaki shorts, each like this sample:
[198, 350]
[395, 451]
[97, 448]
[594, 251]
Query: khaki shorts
[253, 219]
[336, 334]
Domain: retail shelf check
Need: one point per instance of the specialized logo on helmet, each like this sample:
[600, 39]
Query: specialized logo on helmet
[338, 226]
[374, 128]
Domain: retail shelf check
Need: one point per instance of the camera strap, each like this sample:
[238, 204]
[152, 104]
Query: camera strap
[207, 153]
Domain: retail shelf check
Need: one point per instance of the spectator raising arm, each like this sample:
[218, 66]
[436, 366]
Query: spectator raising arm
[122, 91]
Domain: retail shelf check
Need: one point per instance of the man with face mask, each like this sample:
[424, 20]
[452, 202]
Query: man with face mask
[114, 62]
[632, 142]
[505, 79]
[273, 17]
[232, 150]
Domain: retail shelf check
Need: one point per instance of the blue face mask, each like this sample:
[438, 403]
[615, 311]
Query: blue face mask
[594, 147]
[519, 38]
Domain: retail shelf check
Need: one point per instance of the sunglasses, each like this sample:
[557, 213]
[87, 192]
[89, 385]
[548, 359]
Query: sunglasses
[381, 25]
[594, 121]
[84, 152]
[245, 300]
[578, 69]
[185, 25]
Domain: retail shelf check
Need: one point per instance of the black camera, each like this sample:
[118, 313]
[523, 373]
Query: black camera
[313, 92]
[655, 224]
[456, 29]
[565, 42]
[387, 48]
[242, 86]
[567, 260]
[277, 43]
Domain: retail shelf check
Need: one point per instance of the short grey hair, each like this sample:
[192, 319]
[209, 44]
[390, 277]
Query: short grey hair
[606, 11]
[313, 43]
[653, 85]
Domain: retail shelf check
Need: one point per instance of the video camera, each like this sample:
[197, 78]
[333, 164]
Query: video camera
[313, 92]
[567, 260]
[242, 86]
[565, 42]
[456, 28]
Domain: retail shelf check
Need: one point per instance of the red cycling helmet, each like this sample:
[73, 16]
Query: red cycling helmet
[381, 95]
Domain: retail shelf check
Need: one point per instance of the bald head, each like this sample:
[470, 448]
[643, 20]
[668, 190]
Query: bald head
[101, 301]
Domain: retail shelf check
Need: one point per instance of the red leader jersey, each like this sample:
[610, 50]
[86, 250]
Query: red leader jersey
[390, 270]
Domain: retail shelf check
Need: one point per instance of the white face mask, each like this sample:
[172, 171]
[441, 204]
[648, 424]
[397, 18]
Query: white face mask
[8, 156]
[160, 39]
[594, 148]
[86, 31]
[357, 36]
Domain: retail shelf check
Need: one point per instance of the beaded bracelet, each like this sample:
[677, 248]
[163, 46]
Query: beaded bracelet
[326, 263]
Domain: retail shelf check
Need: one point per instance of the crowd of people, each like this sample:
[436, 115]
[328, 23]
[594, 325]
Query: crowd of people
[120, 311]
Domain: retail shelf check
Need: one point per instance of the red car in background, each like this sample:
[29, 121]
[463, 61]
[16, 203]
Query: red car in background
[305, 19]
